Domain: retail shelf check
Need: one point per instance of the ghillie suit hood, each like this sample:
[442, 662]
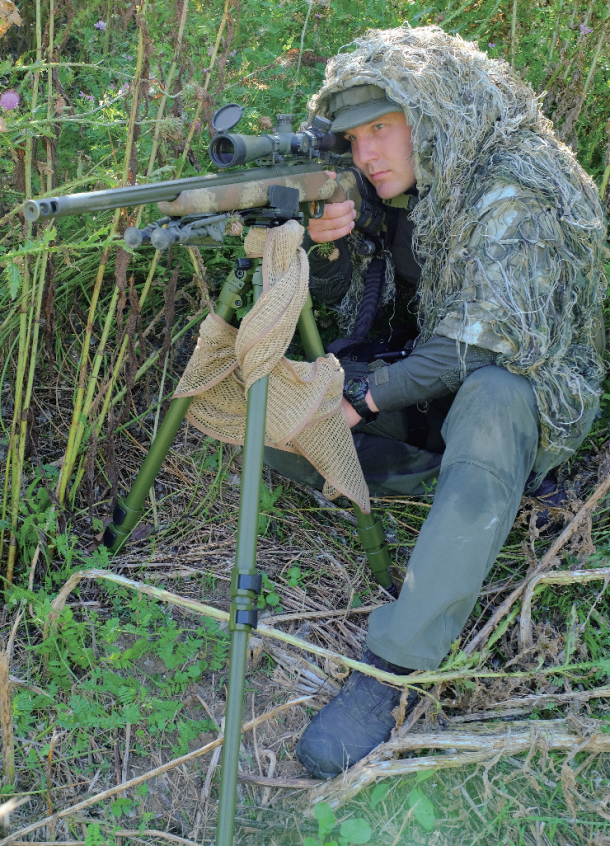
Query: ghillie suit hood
[509, 229]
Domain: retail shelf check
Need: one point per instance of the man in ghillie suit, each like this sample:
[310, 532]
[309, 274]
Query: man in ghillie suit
[485, 224]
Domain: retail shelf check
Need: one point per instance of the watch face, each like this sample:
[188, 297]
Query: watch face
[355, 387]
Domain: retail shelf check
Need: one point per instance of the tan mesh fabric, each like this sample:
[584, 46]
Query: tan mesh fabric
[213, 358]
[304, 412]
[254, 242]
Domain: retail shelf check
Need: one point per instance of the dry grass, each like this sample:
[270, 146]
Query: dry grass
[192, 555]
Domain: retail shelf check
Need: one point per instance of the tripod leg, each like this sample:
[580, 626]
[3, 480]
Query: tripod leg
[127, 512]
[370, 531]
[245, 587]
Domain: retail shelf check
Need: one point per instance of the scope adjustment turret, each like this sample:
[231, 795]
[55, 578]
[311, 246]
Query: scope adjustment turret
[283, 123]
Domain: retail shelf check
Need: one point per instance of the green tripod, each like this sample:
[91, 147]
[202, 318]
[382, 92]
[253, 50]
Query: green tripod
[245, 581]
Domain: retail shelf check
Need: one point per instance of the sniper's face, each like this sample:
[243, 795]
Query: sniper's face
[382, 149]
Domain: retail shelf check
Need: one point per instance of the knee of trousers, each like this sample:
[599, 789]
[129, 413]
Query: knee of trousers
[493, 423]
[293, 467]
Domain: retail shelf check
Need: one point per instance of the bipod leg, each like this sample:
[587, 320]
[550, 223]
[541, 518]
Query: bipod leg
[127, 512]
[370, 530]
[372, 538]
[245, 588]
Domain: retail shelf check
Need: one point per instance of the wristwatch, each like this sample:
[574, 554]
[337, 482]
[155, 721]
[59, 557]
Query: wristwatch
[355, 391]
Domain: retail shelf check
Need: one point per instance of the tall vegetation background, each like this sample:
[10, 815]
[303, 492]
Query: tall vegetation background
[103, 93]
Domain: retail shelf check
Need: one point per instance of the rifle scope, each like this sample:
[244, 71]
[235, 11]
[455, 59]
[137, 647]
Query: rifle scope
[229, 150]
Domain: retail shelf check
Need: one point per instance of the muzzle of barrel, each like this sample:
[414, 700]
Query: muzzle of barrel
[34, 209]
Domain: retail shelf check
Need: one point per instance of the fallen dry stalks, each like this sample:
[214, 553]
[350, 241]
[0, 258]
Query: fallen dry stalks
[140, 833]
[413, 680]
[564, 578]
[544, 564]
[134, 782]
[463, 746]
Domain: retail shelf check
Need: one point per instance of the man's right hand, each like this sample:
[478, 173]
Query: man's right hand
[337, 221]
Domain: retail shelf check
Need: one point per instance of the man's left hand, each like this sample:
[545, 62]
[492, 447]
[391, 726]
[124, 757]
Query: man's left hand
[351, 415]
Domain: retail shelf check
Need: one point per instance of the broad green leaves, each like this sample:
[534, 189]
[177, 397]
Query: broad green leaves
[379, 793]
[325, 817]
[354, 830]
[423, 809]
[13, 273]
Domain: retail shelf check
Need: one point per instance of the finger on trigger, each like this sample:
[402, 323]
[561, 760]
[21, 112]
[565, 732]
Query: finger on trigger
[335, 210]
[322, 224]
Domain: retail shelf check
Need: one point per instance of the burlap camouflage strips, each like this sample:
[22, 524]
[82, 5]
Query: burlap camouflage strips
[509, 229]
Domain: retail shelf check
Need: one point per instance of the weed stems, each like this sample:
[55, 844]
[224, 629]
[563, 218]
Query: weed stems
[33, 332]
[554, 36]
[513, 34]
[298, 71]
[187, 145]
[167, 90]
[153, 501]
[6, 720]
[598, 49]
[23, 321]
[83, 402]
[456, 13]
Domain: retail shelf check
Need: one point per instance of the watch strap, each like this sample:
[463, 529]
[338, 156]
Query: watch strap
[357, 399]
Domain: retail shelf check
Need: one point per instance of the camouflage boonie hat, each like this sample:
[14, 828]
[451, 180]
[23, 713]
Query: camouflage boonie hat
[359, 105]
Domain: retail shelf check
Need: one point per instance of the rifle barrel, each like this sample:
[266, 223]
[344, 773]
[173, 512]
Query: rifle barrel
[154, 192]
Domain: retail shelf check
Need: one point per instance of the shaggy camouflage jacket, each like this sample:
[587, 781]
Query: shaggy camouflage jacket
[509, 230]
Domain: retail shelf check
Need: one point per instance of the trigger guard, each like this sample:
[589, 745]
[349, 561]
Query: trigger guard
[316, 209]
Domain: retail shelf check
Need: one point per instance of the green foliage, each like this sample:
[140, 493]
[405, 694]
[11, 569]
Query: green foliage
[379, 793]
[268, 498]
[423, 809]
[102, 666]
[269, 595]
[121, 806]
[94, 836]
[295, 576]
[325, 817]
[353, 830]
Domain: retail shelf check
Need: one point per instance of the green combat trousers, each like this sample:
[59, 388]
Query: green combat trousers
[490, 435]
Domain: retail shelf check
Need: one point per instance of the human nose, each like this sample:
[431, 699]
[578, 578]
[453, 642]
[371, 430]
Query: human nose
[367, 150]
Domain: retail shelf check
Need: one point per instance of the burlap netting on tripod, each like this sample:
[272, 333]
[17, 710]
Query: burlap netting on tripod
[304, 413]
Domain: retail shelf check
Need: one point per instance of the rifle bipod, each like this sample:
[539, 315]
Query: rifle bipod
[245, 581]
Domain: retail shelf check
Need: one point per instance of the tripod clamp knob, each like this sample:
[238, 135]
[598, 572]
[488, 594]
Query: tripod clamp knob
[244, 588]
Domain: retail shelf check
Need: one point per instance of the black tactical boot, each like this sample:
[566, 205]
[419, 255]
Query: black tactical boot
[552, 495]
[354, 723]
